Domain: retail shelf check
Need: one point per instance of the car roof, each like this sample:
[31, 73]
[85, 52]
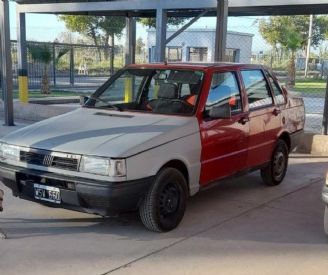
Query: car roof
[195, 66]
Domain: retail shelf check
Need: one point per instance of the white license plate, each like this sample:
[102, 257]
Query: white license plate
[47, 193]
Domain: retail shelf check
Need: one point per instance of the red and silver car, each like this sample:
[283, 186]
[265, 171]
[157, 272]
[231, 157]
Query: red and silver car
[152, 136]
[325, 200]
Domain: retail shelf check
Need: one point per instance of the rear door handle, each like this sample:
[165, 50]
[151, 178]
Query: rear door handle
[276, 112]
[243, 120]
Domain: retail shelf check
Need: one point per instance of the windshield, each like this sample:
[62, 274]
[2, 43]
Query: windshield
[150, 90]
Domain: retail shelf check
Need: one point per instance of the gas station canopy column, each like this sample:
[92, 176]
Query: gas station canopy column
[6, 64]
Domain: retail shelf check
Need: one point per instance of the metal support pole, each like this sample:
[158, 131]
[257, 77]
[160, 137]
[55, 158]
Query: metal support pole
[308, 50]
[130, 45]
[6, 64]
[22, 58]
[221, 30]
[161, 21]
[325, 113]
[71, 63]
[54, 63]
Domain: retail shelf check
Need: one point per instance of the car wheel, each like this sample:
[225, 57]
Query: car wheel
[326, 220]
[165, 203]
[275, 172]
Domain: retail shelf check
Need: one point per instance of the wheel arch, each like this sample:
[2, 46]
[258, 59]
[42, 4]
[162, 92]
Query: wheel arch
[179, 165]
[286, 138]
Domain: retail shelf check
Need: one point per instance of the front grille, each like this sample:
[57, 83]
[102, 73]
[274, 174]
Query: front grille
[51, 159]
[31, 158]
[65, 163]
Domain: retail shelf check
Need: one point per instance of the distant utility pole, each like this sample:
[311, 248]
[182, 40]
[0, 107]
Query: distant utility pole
[308, 50]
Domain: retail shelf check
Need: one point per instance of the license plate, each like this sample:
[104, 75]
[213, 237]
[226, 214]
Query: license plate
[47, 193]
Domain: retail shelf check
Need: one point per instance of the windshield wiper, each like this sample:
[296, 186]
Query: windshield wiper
[107, 104]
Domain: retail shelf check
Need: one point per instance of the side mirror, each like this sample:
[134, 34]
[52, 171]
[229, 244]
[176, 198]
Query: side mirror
[83, 99]
[223, 111]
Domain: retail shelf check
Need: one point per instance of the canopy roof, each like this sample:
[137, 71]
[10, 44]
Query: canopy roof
[147, 8]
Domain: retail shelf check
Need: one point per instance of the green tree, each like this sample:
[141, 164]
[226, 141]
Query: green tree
[101, 29]
[291, 34]
[171, 21]
[42, 53]
[140, 46]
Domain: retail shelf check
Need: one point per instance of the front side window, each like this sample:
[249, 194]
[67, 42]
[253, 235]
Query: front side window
[257, 89]
[224, 90]
[150, 90]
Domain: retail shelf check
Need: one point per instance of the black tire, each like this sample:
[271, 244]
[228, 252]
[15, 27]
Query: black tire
[164, 205]
[275, 172]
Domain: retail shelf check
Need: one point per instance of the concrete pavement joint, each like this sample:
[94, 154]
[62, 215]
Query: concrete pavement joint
[212, 227]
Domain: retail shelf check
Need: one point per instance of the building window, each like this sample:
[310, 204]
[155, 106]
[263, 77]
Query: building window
[232, 55]
[197, 54]
[173, 54]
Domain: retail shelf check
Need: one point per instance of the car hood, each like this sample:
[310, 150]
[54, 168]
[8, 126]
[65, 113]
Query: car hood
[103, 132]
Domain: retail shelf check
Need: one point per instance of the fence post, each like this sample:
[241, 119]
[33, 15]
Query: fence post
[325, 113]
[54, 62]
[72, 66]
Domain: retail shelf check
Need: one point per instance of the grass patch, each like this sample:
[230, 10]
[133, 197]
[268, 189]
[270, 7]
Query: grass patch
[311, 86]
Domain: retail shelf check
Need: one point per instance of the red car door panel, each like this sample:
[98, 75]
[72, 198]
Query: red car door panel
[224, 141]
[224, 148]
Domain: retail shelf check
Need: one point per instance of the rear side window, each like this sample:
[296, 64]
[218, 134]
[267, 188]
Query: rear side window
[224, 89]
[279, 97]
[257, 89]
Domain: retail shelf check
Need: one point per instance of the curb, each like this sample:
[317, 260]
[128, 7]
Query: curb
[37, 112]
[314, 144]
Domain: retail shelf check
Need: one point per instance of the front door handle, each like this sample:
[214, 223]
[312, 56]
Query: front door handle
[276, 112]
[243, 120]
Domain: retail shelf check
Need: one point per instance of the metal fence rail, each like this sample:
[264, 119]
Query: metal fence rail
[75, 65]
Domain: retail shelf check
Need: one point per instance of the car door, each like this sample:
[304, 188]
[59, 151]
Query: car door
[275, 124]
[261, 116]
[224, 141]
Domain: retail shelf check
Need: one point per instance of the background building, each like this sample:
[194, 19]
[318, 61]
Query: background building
[197, 45]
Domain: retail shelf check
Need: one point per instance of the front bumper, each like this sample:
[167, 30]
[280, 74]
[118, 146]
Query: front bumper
[86, 195]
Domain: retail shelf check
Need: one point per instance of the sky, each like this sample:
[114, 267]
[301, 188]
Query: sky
[44, 27]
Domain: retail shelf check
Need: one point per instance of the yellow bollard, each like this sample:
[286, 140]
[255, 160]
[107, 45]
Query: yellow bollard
[128, 89]
[23, 89]
[156, 89]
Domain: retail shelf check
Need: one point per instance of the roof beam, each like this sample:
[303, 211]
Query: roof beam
[256, 6]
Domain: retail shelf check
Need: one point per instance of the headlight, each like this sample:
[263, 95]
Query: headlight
[9, 152]
[103, 166]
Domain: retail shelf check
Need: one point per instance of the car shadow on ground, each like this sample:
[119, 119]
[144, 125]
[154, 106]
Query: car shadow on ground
[240, 209]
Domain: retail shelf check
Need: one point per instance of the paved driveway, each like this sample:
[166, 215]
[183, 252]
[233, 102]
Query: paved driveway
[238, 227]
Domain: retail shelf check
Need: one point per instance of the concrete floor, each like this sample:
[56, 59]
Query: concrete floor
[237, 227]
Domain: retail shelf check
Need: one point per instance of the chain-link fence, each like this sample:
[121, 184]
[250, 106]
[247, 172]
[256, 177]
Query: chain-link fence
[70, 64]
[246, 44]
[88, 66]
